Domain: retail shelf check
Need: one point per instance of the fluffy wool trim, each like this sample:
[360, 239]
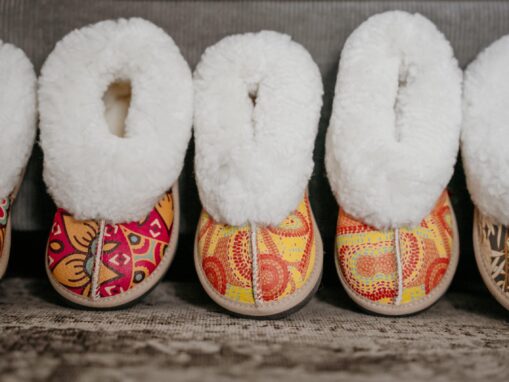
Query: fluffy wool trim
[486, 130]
[257, 105]
[394, 132]
[89, 171]
[18, 115]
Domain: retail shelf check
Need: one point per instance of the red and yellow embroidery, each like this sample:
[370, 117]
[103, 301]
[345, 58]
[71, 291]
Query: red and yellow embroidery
[367, 258]
[130, 251]
[286, 256]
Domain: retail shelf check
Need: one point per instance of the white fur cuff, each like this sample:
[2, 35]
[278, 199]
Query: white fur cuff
[17, 115]
[257, 105]
[485, 132]
[394, 132]
[89, 171]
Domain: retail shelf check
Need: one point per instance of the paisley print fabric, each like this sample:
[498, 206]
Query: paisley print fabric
[494, 248]
[367, 259]
[130, 252]
[5, 206]
[286, 256]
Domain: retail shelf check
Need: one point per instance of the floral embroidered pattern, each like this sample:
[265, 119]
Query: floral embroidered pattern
[494, 247]
[286, 256]
[367, 260]
[130, 252]
[5, 206]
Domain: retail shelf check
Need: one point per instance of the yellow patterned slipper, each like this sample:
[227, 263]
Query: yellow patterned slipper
[116, 112]
[390, 152]
[371, 270]
[486, 160]
[18, 116]
[258, 252]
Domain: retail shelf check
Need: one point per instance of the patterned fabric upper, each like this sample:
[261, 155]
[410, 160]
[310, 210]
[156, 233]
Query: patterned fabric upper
[5, 206]
[130, 252]
[494, 247]
[286, 256]
[367, 256]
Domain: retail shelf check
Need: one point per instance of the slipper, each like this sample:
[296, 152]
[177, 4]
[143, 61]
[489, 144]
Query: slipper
[18, 117]
[116, 113]
[390, 152]
[258, 252]
[485, 159]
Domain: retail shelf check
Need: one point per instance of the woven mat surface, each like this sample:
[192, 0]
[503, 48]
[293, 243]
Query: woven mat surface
[177, 333]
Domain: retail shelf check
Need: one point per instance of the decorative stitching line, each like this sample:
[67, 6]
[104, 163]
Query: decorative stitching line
[97, 261]
[255, 269]
[399, 263]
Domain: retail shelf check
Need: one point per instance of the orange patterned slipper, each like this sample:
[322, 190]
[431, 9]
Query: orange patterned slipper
[486, 160]
[258, 252]
[390, 151]
[18, 116]
[116, 113]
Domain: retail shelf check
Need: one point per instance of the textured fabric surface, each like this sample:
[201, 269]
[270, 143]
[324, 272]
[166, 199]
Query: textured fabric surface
[91, 169]
[177, 333]
[394, 131]
[257, 104]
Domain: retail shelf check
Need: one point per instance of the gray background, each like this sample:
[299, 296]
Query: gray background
[321, 26]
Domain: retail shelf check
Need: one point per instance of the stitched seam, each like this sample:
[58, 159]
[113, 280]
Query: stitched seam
[399, 263]
[255, 272]
[94, 292]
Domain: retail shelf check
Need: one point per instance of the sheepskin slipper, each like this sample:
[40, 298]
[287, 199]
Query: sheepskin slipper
[258, 251]
[116, 104]
[486, 161]
[18, 118]
[390, 152]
